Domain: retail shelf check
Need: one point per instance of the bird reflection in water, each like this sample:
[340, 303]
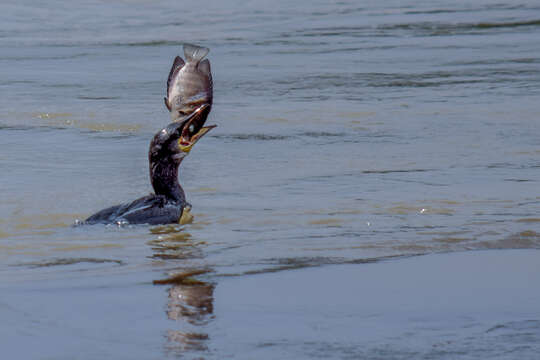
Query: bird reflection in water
[190, 301]
[193, 303]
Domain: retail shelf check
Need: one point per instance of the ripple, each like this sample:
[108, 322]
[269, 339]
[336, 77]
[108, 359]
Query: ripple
[406, 209]
[528, 220]
[69, 261]
[44, 58]
[333, 222]
[150, 43]
[257, 137]
[83, 97]
[527, 239]
[322, 134]
[294, 263]
[517, 325]
[183, 278]
[440, 29]
[395, 171]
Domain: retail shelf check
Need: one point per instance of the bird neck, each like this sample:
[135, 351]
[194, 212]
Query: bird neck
[164, 178]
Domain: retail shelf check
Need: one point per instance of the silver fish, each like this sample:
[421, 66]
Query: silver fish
[190, 83]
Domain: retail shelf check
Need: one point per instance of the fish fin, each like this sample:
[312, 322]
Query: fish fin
[167, 104]
[176, 66]
[195, 53]
[204, 67]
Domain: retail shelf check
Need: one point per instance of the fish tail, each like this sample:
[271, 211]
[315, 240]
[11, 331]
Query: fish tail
[194, 52]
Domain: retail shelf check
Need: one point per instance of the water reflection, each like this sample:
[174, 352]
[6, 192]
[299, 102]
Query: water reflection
[190, 300]
[173, 243]
[192, 304]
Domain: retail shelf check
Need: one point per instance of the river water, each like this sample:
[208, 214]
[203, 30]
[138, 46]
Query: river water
[348, 133]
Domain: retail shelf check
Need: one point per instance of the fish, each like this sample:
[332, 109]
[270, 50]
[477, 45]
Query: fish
[189, 84]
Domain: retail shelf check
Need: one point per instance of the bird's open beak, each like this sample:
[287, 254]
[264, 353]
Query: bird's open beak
[193, 130]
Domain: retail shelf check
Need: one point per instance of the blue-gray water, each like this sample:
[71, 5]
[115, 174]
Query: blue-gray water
[347, 133]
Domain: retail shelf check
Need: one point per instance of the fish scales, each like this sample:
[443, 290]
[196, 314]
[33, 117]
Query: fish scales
[190, 83]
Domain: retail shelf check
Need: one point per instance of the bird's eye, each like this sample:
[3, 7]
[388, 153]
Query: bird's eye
[191, 128]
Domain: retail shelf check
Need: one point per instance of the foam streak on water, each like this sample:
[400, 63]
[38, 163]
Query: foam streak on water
[347, 134]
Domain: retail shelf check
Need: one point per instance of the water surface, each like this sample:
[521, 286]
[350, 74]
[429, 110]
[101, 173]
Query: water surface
[347, 134]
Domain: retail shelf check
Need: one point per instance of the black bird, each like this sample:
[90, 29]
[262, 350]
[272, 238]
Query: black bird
[167, 150]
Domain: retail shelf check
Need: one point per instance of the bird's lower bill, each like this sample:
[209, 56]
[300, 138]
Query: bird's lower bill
[185, 145]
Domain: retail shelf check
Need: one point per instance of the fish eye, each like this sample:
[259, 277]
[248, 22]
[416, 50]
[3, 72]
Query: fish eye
[191, 128]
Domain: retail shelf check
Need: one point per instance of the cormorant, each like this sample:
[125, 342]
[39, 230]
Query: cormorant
[167, 150]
